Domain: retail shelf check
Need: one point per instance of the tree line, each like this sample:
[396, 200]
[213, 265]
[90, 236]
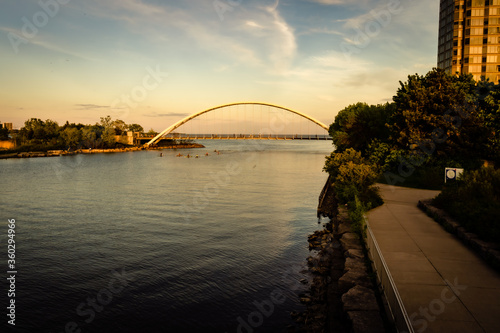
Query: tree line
[434, 121]
[42, 135]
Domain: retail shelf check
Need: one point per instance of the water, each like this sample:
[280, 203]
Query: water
[135, 242]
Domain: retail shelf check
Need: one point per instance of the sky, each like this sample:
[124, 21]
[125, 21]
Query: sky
[154, 62]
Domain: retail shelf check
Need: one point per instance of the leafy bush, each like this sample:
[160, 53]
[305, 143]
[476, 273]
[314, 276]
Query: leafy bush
[474, 201]
[353, 177]
[352, 174]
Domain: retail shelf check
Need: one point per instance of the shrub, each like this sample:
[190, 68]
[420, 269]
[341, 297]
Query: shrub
[474, 201]
[353, 176]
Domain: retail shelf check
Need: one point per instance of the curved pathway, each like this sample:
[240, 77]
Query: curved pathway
[444, 286]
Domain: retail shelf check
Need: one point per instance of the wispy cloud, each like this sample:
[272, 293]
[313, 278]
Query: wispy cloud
[283, 53]
[268, 40]
[91, 106]
[172, 114]
[44, 41]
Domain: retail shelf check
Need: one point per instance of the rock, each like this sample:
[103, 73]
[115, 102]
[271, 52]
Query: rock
[354, 263]
[354, 278]
[352, 253]
[350, 241]
[343, 228]
[366, 322]
[360, 298]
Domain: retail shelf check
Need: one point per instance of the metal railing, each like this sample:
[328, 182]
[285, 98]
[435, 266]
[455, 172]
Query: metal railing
[395, 304]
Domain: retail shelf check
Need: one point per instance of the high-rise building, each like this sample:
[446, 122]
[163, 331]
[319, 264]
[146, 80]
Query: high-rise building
[469, 38]
[7, 126]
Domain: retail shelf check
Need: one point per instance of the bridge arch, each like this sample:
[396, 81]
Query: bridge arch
[197, 114]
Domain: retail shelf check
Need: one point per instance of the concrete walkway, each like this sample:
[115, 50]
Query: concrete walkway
[444, 286]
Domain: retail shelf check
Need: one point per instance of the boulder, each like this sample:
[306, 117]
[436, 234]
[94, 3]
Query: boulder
[366, 322]
[360, 298]
[353, 278]
[350, 240]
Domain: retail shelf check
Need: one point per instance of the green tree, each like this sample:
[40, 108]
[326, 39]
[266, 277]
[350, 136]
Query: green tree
[51, 132]
[490, 115]
[71, 136]
[120, 127]
[135, 128]
[106, 121]
[352, 176]
[108, 132]
[438, 114]
[33, 131]
[91, 136]
[359, 124]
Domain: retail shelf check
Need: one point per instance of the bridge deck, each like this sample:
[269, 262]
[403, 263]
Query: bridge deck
[242, 137]
[444, 286]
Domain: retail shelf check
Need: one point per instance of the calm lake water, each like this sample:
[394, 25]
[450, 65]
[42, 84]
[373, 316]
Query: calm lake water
[135, 242]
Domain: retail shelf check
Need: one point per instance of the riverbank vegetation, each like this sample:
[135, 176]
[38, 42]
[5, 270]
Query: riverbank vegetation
[434, 121]
[474, 201]
[42, 136]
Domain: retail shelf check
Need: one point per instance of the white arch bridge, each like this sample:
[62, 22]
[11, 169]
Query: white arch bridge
[252, 120]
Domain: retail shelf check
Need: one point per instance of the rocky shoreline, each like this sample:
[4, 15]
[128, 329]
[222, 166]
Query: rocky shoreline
[53, 153]
[343, 295]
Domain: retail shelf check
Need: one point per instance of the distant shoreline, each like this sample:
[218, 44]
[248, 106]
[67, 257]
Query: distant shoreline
[54, 153]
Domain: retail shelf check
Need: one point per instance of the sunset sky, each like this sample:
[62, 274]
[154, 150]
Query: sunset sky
[154, 62]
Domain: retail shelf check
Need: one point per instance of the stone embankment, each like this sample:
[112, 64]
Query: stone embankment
[342, 296]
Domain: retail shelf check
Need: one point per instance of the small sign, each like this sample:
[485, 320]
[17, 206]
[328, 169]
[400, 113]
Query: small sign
[452, 174]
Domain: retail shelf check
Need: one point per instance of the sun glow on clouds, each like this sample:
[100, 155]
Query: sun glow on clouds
[286, 52]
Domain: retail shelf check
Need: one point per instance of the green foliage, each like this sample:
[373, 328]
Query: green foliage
[490, 115]
[71, 137]
[352, 177]
[358, 124]
[135, 128]
[441, 112]
[120, 127]
[356, 213]
[91, 136]
[41, 136]
[474, 201]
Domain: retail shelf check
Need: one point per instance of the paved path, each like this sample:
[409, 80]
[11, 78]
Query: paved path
[445, 286]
